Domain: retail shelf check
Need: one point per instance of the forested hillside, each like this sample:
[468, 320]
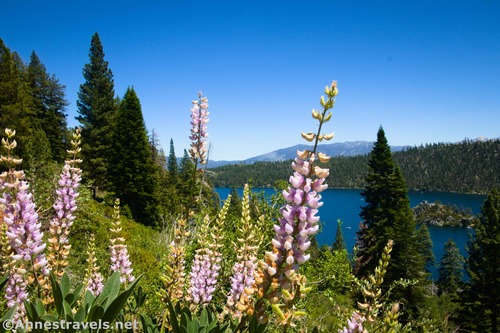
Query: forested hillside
[468, 167]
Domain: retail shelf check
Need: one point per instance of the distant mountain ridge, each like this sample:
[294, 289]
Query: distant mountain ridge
[348, 148]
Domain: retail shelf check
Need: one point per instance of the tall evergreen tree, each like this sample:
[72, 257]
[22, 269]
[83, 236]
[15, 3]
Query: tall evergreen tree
[172, 165]
[17, 110]
[97, 107]
[481, 301]
[339, 243]
[184, 189]
[131, 169]
[450, 269]
[50, 103]
[388, 215]
[425, 246]
[157, 153]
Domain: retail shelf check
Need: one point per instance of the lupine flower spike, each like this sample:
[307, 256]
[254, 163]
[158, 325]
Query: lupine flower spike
[354, 324]
[242, 281]
[199, 120]
[278, 280]
[371, 288]
[93, 281]
[64, 207]
[120, 261]
[27, 260]
[174, 276]
[207, 260]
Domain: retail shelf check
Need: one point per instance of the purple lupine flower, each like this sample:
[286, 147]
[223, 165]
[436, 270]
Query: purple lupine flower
[16, 293]
[61, 223]
[354, 324]
[95, 283]
[24, 230]
[243, 278]
[299, 220]
[204, 273]
[120, 262]
[199, 120]
[25, 238]
[207, 260]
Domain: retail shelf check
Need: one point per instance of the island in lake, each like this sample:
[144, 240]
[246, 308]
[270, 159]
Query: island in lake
[438, 214]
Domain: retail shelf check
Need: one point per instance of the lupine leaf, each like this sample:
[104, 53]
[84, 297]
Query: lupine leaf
[56, 292]
[204, 318]
[68, 311]
[40, 308]
[64, 285]
[112, 287]
[88, 299]
[116, 304]
[193, 326]
[96, 313]
[3, 281]
[73, 297]
[172, 317]
[9, 314]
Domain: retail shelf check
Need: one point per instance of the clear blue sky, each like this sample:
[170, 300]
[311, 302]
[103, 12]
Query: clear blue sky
[427, 71]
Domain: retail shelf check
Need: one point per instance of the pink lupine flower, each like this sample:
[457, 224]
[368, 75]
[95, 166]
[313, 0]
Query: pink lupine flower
[207, 260]
[199, 120]
[120, 261]
[204, 273]
[24, 230]
[25, 237]
[61, 223]
[354, 324]
[299, 219]
[16, 293]
[96, 283]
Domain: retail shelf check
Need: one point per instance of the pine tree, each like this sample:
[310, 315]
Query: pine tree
[450, 269]
[185, 189]
[388, 215]
[172, 166]
[481, 301]
[339, 243]
[157, 153]
[132, 170]
[50, 103]
[425, 246]
[234, 210]
[173, 183]
[17, 111]
[97, 107]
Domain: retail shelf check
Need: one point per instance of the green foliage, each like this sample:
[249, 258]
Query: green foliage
[330, 270]
[425, 246]
[18, 112]
[131, 171]
[96, 108]
[79, 305]
[481, 299]
[450, 269]
[339, 243]
[387, 216]
[50, 103]
[181, 319]
[172, 166]
[173, 184]
[144, 245]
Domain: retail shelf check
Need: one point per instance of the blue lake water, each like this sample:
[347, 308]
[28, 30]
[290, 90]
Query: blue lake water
[345, 205]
